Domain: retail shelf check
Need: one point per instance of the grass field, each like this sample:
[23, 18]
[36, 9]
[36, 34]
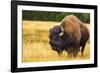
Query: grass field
[36, 45]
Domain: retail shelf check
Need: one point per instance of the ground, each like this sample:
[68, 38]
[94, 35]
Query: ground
[36, 45]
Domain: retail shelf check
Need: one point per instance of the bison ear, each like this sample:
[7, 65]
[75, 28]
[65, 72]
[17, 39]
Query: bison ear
[50, 30]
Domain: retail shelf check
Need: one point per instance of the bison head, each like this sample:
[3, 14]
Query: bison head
[58, 39]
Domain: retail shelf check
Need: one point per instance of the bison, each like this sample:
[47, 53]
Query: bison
[70, 35]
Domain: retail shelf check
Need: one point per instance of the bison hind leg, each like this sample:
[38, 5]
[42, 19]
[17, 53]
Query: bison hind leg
[82, 50]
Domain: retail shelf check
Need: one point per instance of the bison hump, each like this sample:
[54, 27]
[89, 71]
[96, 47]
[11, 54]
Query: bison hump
[71, 25]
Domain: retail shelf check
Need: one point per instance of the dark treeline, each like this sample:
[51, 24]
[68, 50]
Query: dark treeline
[52, 16]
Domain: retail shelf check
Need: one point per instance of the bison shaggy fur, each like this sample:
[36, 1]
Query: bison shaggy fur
[72, 38]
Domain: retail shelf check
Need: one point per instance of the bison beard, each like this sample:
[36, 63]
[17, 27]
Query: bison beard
[57, 42]
[69, 36]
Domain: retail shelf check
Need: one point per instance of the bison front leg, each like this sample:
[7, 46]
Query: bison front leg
[75, 52]
[69, 52]
[59, 52]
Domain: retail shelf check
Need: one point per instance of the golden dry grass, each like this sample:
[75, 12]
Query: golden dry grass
[36, 45]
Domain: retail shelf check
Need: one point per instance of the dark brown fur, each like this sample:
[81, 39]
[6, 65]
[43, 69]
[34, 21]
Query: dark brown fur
[75, 36]
[84, 37]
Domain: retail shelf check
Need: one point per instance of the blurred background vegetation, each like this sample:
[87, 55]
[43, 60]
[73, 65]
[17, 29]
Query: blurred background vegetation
[52, 16]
